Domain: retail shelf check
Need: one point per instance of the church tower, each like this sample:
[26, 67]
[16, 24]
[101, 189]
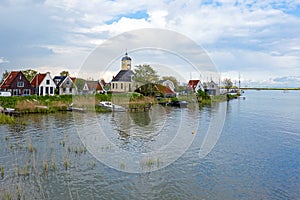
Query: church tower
[126, 62]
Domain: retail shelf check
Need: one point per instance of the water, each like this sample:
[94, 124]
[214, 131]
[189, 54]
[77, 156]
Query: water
[257, 155]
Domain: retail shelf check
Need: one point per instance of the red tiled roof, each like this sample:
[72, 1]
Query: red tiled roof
[73, 79]
[94, 85]
[164, 89]
[192, 84]
[9, 79]
[38, 78]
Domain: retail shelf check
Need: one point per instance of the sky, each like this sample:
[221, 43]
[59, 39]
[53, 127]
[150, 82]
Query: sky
[258, 41]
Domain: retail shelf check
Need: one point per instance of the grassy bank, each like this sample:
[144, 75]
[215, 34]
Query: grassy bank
[4, 119]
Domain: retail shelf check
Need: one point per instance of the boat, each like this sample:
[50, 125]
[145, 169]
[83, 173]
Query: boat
[181, 104]
[110, 106]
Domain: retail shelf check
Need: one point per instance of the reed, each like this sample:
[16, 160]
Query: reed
[45, 166]
[31, 148]
[2, 171]
[5, 119]
[66, 163]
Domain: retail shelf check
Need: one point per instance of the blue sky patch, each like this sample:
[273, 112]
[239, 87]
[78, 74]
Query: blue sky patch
[141, 14]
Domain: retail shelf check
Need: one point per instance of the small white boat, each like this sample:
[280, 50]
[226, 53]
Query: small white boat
[110, 106]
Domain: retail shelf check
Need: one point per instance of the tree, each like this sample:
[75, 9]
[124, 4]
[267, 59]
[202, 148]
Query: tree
[64, 73]
[227, 83]
[4, 75]
[173, 79]
[79, 82]
[29, 74]
[145, 74]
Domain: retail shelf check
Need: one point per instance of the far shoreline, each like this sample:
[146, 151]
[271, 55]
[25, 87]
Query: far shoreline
[263, 88]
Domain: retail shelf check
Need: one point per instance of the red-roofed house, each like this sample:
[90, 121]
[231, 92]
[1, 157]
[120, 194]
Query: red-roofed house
[195, 85]
[43, 84]
[17, 84]
[166, 91]
[92, 87]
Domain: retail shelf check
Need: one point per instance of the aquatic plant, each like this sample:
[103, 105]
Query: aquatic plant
[45, 166]
[2, 171]
[5, 119]
[31, 148]
[66, 163]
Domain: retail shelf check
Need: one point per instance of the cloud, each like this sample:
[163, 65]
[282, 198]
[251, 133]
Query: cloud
[259, 38]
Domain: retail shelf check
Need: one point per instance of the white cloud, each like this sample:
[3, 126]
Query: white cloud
[260, 38]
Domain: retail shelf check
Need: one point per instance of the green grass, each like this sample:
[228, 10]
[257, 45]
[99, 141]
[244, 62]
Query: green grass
[5, 119]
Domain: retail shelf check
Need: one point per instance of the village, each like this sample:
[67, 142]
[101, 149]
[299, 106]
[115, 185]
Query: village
[129, 90]
[45, 84]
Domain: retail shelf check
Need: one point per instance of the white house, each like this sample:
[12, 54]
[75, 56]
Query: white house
[43, 84]
[211, 88]
[65, 85]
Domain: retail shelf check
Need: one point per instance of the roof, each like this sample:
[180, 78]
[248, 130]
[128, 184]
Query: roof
[60, 78]
[38, 78]
[73, 79]
[123, 75]
[9, 79]
[192, 84]
[94, 85]
[126, 57]
[164, 89]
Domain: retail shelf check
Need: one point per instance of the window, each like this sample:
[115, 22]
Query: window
[26, 91]
[71, 90]
[47, 90]
[47, 82]
[20, 84]
[64, 90]
[121, 86]
[129, 87]
[113, 86]
[116, 85]
[16, 92]
[68, 82]
[51, 90]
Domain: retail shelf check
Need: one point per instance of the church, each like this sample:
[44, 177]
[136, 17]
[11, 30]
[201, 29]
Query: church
[122, 82]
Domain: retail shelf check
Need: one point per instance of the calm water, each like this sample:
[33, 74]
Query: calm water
[257, 155]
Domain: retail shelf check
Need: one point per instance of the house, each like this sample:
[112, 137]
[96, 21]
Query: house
[192, 84]
[17, 84]
[156, 90]
[195, 85]
[65, 85]
[92, 87]
[211, 88]
[122, 82]
[43, 84]
[168, 83]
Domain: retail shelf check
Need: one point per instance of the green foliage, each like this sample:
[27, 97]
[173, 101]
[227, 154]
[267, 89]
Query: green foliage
[79, 82]
[4, 75]
[29, 74]
[227, 83]
[145, 74]
[4, 119]
[64, 73]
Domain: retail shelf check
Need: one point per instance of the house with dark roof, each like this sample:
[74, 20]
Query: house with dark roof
[43, 84]
[65, 85]
[17, 84]
[122, 82]
[92, 87]
[211, 88]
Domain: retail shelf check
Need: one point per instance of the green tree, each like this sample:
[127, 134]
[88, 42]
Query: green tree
[29, 74]
[145, 74]
[4, 75]
[79, 82]
[64, 73]
[227, 83]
